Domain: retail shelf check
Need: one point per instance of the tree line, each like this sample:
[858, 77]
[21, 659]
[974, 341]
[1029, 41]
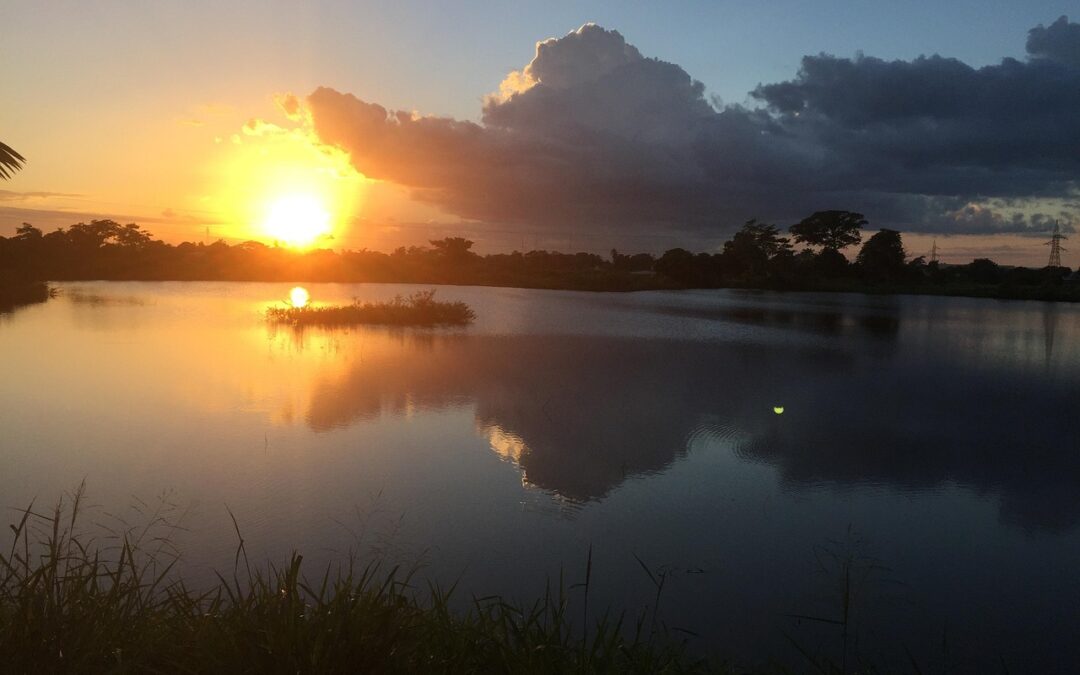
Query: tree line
[758, 255]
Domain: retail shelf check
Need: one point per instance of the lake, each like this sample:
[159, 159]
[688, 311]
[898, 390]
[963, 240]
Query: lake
[762, 453]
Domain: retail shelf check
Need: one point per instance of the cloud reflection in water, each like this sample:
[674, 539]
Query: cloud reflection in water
[581, 414]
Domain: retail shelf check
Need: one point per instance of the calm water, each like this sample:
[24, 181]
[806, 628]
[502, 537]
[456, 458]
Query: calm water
[932, 443]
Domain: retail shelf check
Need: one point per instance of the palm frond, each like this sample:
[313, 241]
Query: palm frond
[10, 161]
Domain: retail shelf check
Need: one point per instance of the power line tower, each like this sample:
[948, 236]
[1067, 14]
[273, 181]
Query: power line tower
[933, 252]
[1055, 246]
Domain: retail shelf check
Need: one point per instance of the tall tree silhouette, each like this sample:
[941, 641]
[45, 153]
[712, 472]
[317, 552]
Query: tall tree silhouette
[750, 250]
[882, 256]
[10, 161]
[831, 230]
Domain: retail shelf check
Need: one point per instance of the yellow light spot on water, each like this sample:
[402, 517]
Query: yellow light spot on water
[778, 409]
[299, 297]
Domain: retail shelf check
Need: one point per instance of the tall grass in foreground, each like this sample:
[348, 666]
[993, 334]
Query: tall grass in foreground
[69, 604]
[418, 309]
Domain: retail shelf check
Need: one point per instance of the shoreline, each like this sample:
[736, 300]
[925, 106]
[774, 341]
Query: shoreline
[1068, 292]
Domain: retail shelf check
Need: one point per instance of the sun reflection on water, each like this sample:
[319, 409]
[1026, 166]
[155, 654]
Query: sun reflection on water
[299, 297]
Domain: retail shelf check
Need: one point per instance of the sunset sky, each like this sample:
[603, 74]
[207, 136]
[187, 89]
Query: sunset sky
[652, 128]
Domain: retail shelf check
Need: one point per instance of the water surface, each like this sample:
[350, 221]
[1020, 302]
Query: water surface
[930, 445]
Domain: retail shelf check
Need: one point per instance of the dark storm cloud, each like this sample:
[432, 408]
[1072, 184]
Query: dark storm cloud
[596, 134]
[593, 134]
[1060, 42]
[937, 126]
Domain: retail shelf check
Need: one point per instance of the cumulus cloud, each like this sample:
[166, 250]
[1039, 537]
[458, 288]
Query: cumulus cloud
[1060, 42]
[260, 127]
[584, 56]
[592, 134]
[983, 219]
[937, 126]
[291, 106]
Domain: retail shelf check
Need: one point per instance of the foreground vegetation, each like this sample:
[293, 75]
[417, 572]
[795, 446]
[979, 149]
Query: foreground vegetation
[109, 599]
[68, 604]
[418, 309]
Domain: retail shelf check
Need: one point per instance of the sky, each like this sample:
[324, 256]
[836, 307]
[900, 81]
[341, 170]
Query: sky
[657, 126]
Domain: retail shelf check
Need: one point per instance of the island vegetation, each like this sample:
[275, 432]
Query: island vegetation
[417, 309]
[22, 292]
[759, 255]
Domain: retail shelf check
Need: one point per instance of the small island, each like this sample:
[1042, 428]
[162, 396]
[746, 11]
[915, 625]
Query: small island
[417, 309]
[16, 293]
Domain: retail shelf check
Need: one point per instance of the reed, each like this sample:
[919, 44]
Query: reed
[70, 604]
[417, 309]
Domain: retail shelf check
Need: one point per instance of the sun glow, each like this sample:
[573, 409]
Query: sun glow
[281, 186]
[297, 220]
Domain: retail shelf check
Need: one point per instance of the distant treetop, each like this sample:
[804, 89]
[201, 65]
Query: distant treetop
[831, 230]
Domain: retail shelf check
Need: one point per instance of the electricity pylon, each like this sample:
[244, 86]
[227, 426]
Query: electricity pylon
[1055, 246]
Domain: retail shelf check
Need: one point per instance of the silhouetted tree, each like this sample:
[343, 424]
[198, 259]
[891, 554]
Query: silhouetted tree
[983, 271]
[642, 262]
[677, 264]
[10, 161]
[27, 232]
[453, 249]
[830, 263]
[784, 269]
[831, 230]
[917, 269]
[639, 262]
[92, 235]
[882, 256]
[749, 251]
[767, 237]
[132, 236]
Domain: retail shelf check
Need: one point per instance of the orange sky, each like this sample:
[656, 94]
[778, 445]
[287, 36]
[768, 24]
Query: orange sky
[169, 117]
[211, 167]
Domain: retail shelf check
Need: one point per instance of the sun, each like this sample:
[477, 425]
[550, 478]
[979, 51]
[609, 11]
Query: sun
[297, 220]
[282, 186]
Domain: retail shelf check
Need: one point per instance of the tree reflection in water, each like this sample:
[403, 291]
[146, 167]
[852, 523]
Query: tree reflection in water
[579, 414]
